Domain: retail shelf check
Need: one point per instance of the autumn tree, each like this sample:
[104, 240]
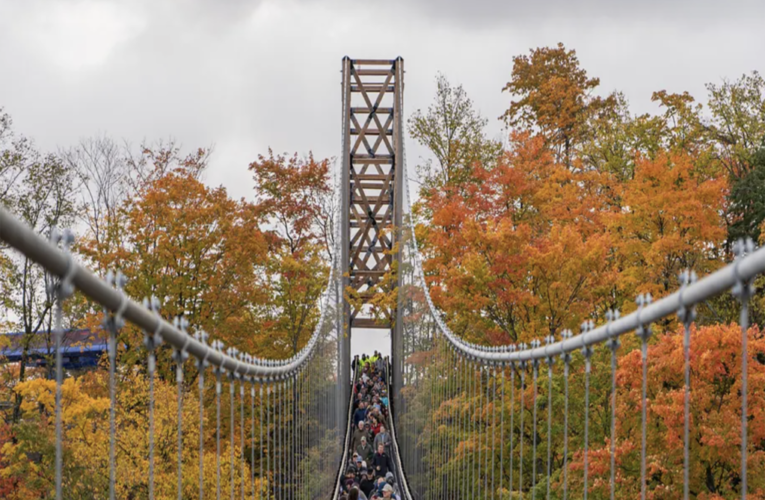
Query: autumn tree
[671, 221]
[38, 188]
[715, 404]
[554, 98]
[195, 249]
[684, 130]
[747, 201]
[738, 121]
[454, 133]
[294, 195]
[521, 253]
[85, 417]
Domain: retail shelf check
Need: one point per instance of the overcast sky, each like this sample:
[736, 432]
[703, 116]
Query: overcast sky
[248, 75]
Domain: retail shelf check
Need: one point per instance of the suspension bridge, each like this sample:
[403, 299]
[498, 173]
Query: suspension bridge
[294, 416]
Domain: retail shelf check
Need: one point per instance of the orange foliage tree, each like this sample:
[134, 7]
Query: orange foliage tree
[295, 198]
[715, 436]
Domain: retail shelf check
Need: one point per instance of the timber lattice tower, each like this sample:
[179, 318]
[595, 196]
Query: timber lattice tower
[371, 197]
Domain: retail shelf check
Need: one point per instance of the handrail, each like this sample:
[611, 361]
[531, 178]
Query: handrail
[400, 475]
[344, 459]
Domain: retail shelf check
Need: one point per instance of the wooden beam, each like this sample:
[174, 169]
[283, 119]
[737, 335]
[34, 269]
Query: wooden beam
[356, 62]
[378, 159]
[379, 221]
[372, 87]
[370, 177]
[372, 110]
[373, 72]
[374, 249]
[368, 131]
[372, 200]
[367, 185]
[370, 323]
[368, 272]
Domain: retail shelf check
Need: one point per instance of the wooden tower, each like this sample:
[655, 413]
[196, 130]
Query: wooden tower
[372, 183]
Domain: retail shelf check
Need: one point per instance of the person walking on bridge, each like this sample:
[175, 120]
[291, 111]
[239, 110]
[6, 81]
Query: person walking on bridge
[365, 450]
[360, 413]
[388, 492]
[384, 439]
[359, 433]
[381, 462]
[367, 483]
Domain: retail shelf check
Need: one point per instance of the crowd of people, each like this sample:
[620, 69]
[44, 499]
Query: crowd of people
[369, 473]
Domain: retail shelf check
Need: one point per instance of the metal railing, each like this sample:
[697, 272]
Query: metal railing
[346, 440]
[401, 478]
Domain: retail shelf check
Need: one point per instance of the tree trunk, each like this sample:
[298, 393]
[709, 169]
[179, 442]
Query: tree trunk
[22, 372]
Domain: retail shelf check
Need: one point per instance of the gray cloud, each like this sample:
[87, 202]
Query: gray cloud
[249, 75]
[492, 13]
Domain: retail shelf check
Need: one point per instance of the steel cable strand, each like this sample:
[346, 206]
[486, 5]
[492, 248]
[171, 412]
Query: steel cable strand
[283, 464]
[458, 469]
[151, 341]
[566, 369]
[448, 420]
[464, 427]
[643, 332]
[269, 438]
[289, 434]
[445, 419]
[278, 479]
[474, 438]
[512, 425]
[522, 411]
[402, 478]
[743, 291]
[438, 457]
[486, 432]
[63, 291]
[687, 314]
[180, 356]
[587, 352]
[535, 369]
[218, 390]
[493, 428]
[613, 345]
[550, 360]
[112, 325]
[479, 418]
[444, 411]
[456, 421]
[434, 432]
[260, 443]
[241, 435]
[60, 263]
[201, 365]
[232, 409]
[502, 432]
